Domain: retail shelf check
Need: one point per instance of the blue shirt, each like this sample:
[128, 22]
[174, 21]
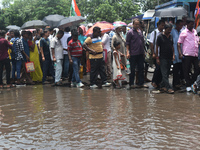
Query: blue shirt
[175, 35]
[26, 48]
[82, 38]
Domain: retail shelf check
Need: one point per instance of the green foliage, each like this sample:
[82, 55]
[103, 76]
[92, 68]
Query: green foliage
[17, 12]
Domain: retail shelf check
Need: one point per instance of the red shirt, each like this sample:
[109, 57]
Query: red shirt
[4, 45]
[75, 48]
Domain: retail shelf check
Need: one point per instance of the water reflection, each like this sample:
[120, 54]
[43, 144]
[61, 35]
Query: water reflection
[62, 118]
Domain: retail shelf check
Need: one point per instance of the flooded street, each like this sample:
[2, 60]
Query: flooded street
[44, 117]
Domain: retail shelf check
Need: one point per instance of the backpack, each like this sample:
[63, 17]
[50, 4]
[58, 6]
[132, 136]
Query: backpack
[14, 50]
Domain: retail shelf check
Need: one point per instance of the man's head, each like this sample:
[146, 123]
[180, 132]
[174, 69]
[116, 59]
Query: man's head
[12, 33]
[190, 24]
[161, 25]
[136, 23]
[51, 31]
[16, 34]
[80, 30]
[168, 28]
[118, 29]
[124, 29]
[184, 19]
[3, 33]
[75, 35]
[96, 31]
[67, 29]
[25, 34]
[39, 31]
[60, 34]
[179, 25]
[46, 34]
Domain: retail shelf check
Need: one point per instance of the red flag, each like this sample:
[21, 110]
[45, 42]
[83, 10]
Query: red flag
[196, 15]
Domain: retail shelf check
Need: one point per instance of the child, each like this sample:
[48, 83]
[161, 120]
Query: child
[75, 53]
[117, 74]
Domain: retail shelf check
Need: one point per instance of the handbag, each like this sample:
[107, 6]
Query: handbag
[30, 67]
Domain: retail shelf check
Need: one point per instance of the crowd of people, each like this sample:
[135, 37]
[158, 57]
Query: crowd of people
[117, 55]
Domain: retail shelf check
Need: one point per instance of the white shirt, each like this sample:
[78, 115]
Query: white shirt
[64, 41]
[106, 42]
[152, 39]
[57, 45]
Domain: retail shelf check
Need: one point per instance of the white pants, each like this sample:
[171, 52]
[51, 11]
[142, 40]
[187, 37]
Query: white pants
[58, 73]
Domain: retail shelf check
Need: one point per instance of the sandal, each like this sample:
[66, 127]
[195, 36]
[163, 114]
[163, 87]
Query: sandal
[194, 89]
[162, 90]
[154, 84]
[170, 91]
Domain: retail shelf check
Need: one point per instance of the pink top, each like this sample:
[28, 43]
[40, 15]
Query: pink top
[190, 42]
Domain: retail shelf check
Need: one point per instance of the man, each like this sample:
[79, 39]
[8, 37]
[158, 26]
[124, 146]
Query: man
[64, 40]
[57, 53]
[157, 76]
[4, 59]
[189, 54]
[184, 19]
[46, 58]
[12, 35]
[165, 42]
[177, 64]
[135, 53]
[94, 45]
[124, 32]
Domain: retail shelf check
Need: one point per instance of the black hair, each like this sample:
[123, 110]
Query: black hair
[50, 29]
[95, 29]
[168, 25]
[2, 33]
[179, 21]
[60, 32]
[75, 33]
[136, 19]
[24, 32]
[67, 29]
[11, 31]
[38, 30]
[116, 43]
[16, 33]
[190, 20]
[160, 21]
[29, 33]
[41, 34]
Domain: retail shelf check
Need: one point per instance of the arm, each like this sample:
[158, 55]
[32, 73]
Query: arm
[173, 53]
[115, 56]
[157, 58]
[127, 51]
[28, 59]
[88, 49]
[42, 53]
[53, 54]
[70, 58]
[179, 51]
[112, 42]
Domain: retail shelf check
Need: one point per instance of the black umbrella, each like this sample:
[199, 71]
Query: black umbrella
[171, 12]
[53, 20]
[34, 24]
[71, 21]
[13, 27]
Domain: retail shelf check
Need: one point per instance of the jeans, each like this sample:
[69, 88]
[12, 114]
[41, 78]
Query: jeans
[6, 63]
[188, 61]
[157, 76]
[137, 60]
[177, 74]
[165, 65]
[47, 65]
[76, 68]
[66, 66]
[16, 66]
[97, 67]
[58, 70]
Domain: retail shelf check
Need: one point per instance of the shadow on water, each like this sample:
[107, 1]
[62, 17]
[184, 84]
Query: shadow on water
[44, 117]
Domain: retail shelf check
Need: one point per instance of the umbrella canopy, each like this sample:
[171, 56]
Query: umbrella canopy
[139, 17]
[34, 24]
[148, 14]
[13, 27]
[53, 20]
[71, 21]
[105, 27]
[171, 12]
[119, 23]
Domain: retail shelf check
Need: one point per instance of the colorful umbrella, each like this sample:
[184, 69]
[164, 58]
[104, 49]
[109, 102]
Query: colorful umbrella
[105, 27]
[119, 23]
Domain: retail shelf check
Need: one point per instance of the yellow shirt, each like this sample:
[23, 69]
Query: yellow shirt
[96, 45]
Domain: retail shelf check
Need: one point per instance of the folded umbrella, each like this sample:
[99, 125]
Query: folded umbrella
[71, 21]
[34, 24]
[53, 20]
[13, 27]
[105, 27]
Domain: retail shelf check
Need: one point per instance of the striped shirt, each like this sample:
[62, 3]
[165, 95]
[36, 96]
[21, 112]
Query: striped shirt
[75, 48]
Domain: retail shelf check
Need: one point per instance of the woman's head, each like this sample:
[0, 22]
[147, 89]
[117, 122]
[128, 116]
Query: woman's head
[116, 45]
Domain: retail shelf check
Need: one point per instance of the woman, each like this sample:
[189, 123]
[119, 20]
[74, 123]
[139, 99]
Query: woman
[34, 56]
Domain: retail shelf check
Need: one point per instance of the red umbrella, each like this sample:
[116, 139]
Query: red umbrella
[105, 27]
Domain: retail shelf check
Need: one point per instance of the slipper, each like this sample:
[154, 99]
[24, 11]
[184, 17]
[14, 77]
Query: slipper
[170, 91]
[193, 89]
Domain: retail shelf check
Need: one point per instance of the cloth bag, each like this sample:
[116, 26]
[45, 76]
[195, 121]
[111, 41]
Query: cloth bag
[30, 67]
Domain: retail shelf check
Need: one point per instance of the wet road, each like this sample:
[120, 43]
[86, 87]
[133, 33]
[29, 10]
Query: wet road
[34, 117]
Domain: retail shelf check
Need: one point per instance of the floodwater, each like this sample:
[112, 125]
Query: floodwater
[45, 117]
